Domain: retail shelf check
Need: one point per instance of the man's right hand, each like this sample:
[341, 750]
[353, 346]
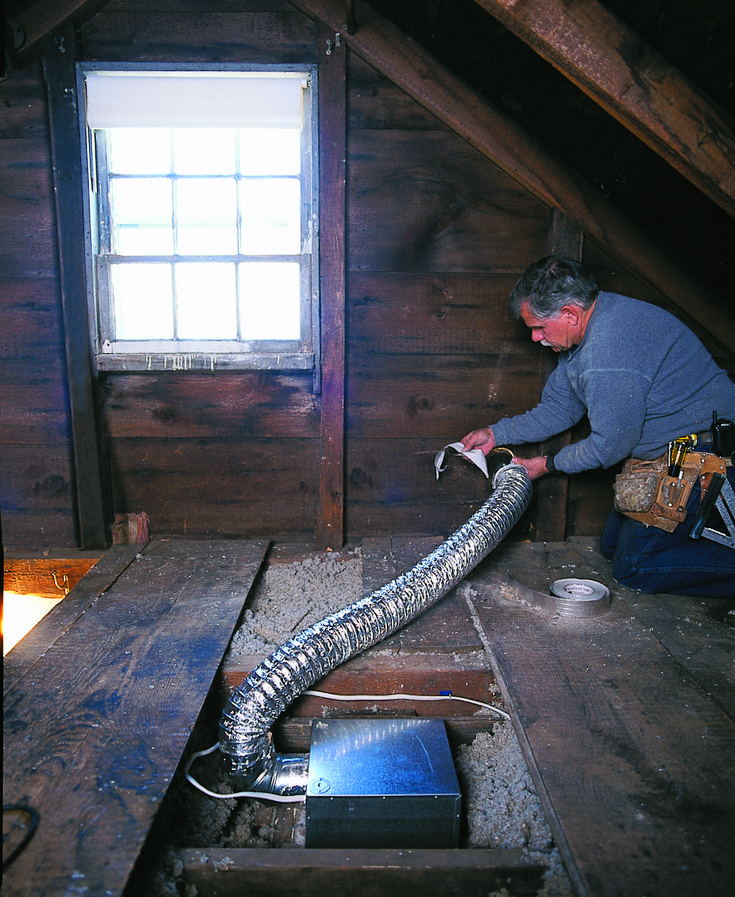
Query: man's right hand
[482, 439]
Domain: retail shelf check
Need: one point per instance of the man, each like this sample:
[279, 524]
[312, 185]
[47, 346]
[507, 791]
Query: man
[643, 379]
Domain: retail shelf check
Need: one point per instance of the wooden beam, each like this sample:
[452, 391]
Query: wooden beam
[329, 529]
[565, 238]
[510, 147]
[95, 726]
[92, 515]
[41, 18]
[633, 83]
[635, 772]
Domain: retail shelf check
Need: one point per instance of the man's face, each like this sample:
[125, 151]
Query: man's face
[558, 333]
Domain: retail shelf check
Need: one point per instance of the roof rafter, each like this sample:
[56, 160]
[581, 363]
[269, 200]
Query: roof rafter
[509, 146]
[633, 83]
[43, 17]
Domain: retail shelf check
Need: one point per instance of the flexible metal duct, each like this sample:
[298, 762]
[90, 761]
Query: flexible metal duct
[303, 660]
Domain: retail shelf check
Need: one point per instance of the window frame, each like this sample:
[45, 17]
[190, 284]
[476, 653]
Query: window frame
[191, 355]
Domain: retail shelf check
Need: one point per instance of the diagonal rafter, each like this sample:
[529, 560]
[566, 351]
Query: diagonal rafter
[42, 17]
[633, 83]
[511, 148]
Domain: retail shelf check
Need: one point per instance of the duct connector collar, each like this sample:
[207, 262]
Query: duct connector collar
[245, 739]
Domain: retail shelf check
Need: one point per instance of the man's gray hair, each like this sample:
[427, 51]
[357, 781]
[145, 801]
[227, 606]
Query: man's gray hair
[551, 283]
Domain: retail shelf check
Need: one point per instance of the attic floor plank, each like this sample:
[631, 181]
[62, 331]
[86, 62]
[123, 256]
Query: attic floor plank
[64, 614]
[96, 726]
[631, 755]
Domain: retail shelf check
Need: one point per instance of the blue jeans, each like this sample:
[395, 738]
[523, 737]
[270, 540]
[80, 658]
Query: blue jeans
[653, 561]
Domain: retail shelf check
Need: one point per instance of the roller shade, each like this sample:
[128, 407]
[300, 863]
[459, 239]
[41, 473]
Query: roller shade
[194, 100]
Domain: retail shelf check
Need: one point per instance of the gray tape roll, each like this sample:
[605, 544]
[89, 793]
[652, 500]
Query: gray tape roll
[582, 597]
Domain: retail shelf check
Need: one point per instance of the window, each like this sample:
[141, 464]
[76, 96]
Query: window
[202, 218]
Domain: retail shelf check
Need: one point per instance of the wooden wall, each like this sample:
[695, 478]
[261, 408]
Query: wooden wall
[36, 476]
[436, 236]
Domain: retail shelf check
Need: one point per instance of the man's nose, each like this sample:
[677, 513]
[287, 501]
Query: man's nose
[536, 336]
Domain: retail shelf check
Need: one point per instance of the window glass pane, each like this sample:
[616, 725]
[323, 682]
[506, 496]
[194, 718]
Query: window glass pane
[204, 151]
[206, 212]
[139, 151]
[200, 245]
[142, 301]
[271, 216]
[269, 300]
[206, 300]
[270, 151]
[141, 216]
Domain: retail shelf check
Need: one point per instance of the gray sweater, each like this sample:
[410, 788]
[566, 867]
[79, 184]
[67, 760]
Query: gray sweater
[642, 377]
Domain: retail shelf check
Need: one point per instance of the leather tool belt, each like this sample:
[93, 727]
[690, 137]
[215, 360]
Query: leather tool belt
[645, 491]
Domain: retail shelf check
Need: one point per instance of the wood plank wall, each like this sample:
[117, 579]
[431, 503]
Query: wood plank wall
[436, 236]
[215, 454]
[36, 476]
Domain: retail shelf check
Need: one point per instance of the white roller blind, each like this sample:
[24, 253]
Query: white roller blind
[194, 100]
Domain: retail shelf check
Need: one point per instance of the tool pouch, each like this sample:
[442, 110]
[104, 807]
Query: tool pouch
[645, 491]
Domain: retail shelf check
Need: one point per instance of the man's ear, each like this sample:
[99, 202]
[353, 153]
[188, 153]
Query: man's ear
[572, 313]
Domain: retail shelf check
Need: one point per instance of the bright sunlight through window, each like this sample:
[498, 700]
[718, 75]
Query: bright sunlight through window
[202, 203]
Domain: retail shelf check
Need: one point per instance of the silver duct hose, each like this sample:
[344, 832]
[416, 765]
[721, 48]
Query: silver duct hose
[290, 670]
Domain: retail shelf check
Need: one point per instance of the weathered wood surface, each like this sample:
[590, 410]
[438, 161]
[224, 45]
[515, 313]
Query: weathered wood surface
[95, 728]
[394, 488]
[631, 754]
[62, 616]
[427, 395]
[699, 633]
[330, 517]
[199, 35]
[406, 314]
[370, 873]
[201, 487]
[35, 484]
[48, 577]
[90, 495]
[464, 215]
[636, 85]
[505, 143]
[209, 405]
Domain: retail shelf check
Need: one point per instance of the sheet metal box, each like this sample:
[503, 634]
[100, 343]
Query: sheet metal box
[376, 783]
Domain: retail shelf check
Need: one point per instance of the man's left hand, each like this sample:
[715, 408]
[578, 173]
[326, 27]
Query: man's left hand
[536, 467]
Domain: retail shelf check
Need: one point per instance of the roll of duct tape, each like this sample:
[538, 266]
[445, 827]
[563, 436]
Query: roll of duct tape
[581, 597]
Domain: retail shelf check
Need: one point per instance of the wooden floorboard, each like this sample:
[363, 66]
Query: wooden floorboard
[623, 723]
[96, 723]
[369, 873]
[64, 614]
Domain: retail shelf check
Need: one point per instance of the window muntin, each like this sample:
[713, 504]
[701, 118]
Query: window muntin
[204, 240]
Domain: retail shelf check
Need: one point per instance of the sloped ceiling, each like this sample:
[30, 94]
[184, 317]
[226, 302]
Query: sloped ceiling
[686, 203]
[637, 97]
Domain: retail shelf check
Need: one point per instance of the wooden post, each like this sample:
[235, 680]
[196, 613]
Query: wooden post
[329, 530]
[565, 238]
[68, 182]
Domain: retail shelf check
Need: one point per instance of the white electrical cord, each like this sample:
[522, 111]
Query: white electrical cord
[301, 798]
[404, 697]
[278, 798]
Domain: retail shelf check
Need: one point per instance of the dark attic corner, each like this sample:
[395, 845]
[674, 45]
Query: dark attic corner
[368, 411]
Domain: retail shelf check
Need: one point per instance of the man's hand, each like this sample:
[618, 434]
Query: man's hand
[536, 467]
[482, 439]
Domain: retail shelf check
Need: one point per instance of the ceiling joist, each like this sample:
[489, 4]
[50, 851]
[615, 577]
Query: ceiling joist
[633, 83]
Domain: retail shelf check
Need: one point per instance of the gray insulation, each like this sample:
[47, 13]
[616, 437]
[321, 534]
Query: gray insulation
[300, 662]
